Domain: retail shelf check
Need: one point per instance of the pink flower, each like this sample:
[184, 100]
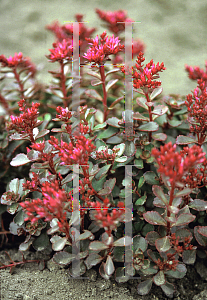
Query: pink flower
[173, 164]
[144, 77]
[74, 154]
[197, 108]
[112, 18]
[62, 51]
[102, 48]
[18, 61]
[52, 206]
[27, 121]
[106, 219]
[196, 73]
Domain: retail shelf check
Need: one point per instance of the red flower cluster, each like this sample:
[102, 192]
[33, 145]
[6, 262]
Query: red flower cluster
[197, 108]
[173, 164]
[108, 220]
[74, 154]
[33, 185]
[196, 73]
[64, 114]
[145, 77]
[100, 50]
[66, 31]
[62, 51]
[18, 61]
[27, 121]
[112, 18]
[186, 243]
[53, 205]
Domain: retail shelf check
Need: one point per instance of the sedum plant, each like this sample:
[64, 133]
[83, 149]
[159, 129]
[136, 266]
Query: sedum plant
[46, 146]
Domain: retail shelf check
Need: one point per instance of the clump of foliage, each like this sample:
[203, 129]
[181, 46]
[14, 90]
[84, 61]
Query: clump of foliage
[73, 174]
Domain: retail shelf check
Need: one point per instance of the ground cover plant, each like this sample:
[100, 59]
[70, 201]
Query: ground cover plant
[49, 142]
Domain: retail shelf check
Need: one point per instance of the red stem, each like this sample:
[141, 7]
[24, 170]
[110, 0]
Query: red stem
[63, 86]
[103, 78]
[170, 204]
[21, 87]
[150, 115]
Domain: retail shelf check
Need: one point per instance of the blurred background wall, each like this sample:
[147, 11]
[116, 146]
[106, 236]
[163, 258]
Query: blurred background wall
[174, 31]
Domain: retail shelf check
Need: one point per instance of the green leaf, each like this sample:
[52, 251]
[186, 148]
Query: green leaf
[139, 163]
[121, 159]
[163, 244]
[139, 243]
[96, 82]
[58, 243]
[184, 192]
[103, 171]
[14, 185]
[122, 242]
[159, 136]
[138, 116]
[118, 100]
[92, 260]
[154, 218]
[100, 126]
[141, 200]
[174, 123]
[130, 148]
[75, 218]
[96, 245]
[121, 276]
[63, 258]
[183, 140]
[110, 131]
[142, 102]
[168, 289]
[110, 183]
[198, 204]
[203, 230]
[144, 287]
[156, 92]
[112, 71]
[98, 185]
[113, 122]
[159, 110]
[99, 116]
[141, 182]
[12, 208]
[19, 218]
[201, 239]
[157, 190]
[109, 266]
[42, 133]
[92, 93]
[180, 271]
[151, 237]
[42, 242]
[94, 74]
[20, 160]
[150, 127]
[184, 219]
[150, 177]
[111, 83]
[189, 256]
[159, 278]
[121, 148]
